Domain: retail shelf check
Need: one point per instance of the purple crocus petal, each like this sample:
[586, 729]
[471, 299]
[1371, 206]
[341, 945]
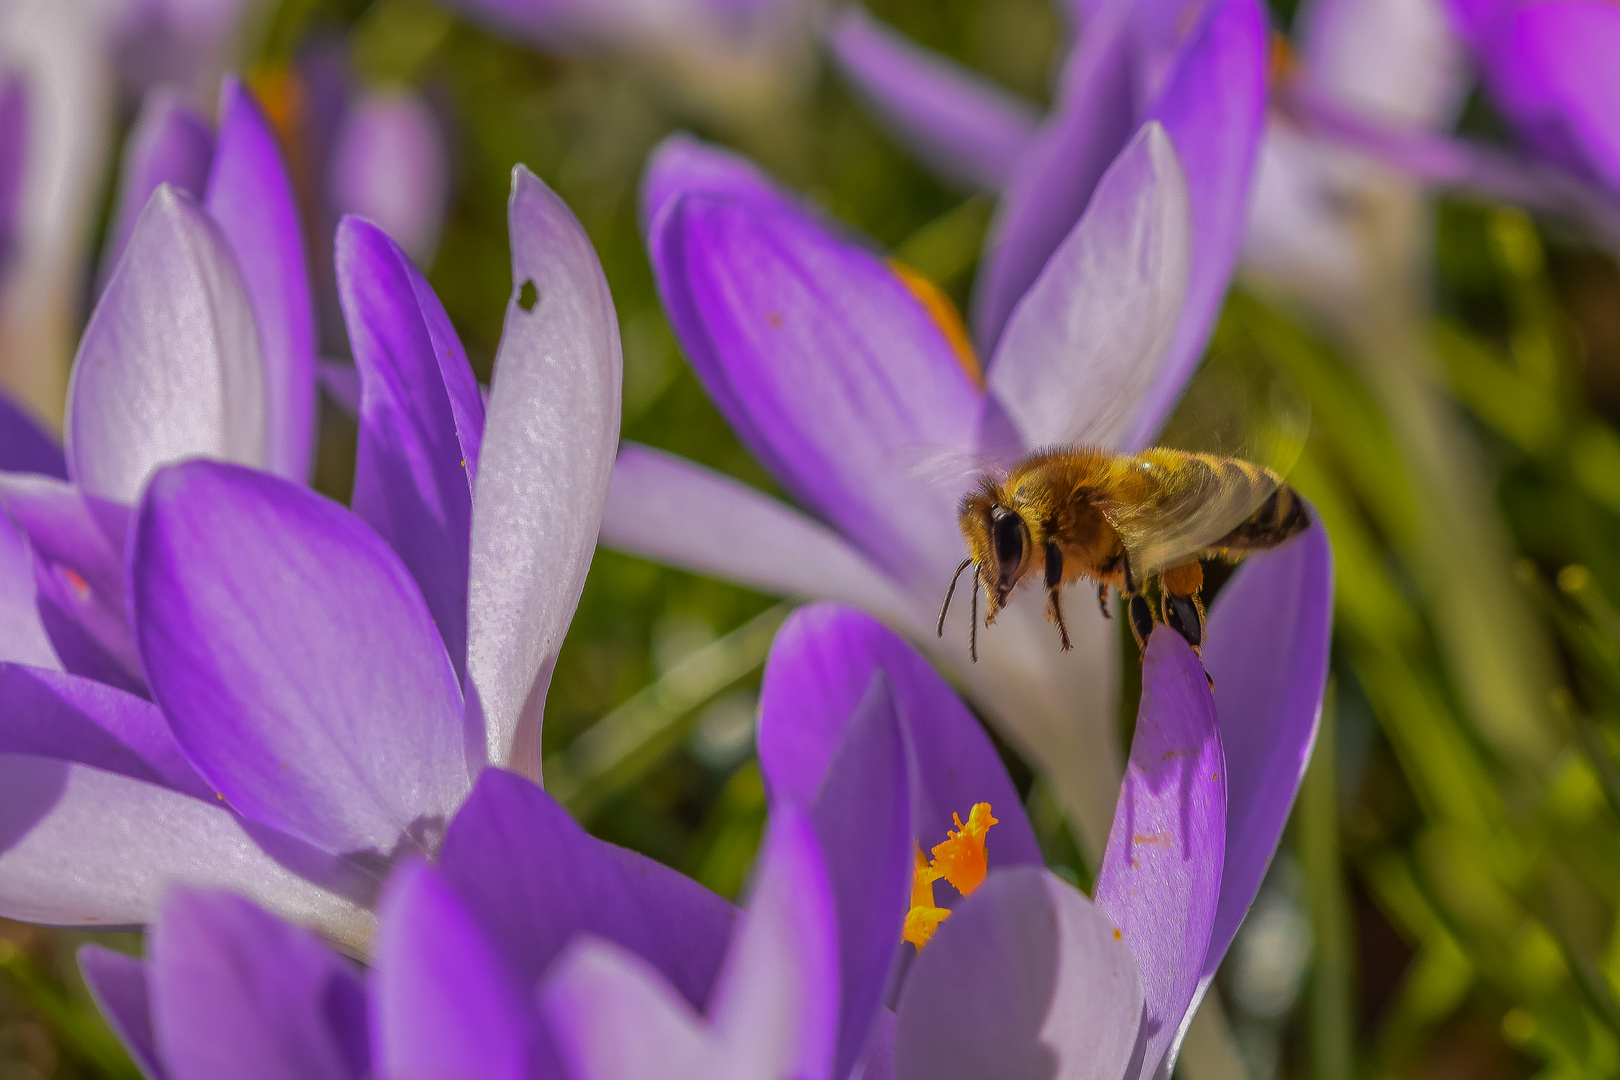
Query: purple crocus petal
[25, 446]
[1093, 332]
[510, 845]
[1393, 60]
[117, 984]
[78, 546]
[1055, 177]
[1160, 880]
[1027, 980]
[681, 165]
[23, 638]
[168, 367]
[13, 157]
[170, 144]
[1553, 73]
[666, 508]
[341, 381]
[821, 665]
[775, 1010]
[1269, 633]
[543, 471]
[445, 1003]
[251, 197]
[57, 715]
[237, 992]
[420, 422]
[960, 123]
[389, 164]
[80, 847]
[295, 661]
[1214, 107]
[826, 366]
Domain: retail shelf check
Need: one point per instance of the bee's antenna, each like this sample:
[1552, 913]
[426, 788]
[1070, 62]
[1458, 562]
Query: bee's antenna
[946, 606]
[973, 627]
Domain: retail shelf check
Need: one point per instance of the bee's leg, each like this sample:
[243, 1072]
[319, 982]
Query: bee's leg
[1054, 583]
[1183, 605]
[1102, 600]
[1141, 613]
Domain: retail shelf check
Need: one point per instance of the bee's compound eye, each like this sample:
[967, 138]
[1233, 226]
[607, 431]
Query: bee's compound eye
[1009, 537]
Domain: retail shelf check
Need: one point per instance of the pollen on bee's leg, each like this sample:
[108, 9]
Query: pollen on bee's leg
[961, 858]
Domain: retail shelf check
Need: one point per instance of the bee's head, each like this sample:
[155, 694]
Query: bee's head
[998, 538]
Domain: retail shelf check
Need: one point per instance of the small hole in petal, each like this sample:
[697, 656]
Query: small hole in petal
[528, 296]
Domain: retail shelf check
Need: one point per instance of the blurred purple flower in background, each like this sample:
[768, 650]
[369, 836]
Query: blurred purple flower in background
[314, 694]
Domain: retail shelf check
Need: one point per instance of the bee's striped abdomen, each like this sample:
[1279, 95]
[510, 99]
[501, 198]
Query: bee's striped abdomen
[1281, 517]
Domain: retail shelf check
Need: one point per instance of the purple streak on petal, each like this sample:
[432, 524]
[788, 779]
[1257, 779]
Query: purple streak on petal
[1214, 107]
[23, 637]
[237, 992]
[168, 367]
[824, 364]
[390, 165]
[1093, 332]
[1160, 880]
[445, 1002]
[420, 422]
[13, 158]
[681, 165]
[79, 847]
[1093, 119]
[862, 814]
[296, 661]
[341, 381]
[614, 1018]
[117, 984]
[1551, 68]
[170, 144]
[78, 545]
[820, 667]
[57, 715]
[963, 125]
[1269, 633]
[663, 507]
[1027, 980]
[251, 197]
[511, 844]
[25, 445]
[543, 470]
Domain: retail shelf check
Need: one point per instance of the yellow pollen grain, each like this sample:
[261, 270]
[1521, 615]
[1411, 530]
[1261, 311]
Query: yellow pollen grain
[944, 315]
[961, 858]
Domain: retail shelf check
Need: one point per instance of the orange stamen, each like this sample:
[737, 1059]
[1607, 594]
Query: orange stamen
[923, 918]
[944, 315]
[961, 858]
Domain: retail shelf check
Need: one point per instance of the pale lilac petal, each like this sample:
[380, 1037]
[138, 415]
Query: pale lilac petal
[1214, 108]
[1093, 332]
[613, 1018]
[879, 1061]
[391, 166]
[82, 847]
[681, 165]
[169, 144]
[23, 638]
[168, 367]
[341, 381]
[820, 667]
[1269, 633]
[1398, 59]
[511, 844]
[543, 471]
[236, 992]
[958, 122]
[663, 507]
[1160, 880]
[421, 421]
[826, 366]
[25, 446]
[57, 715]
[1092, 119]
[117, 984]
[78, 550]
[1027, 980]
[444, 1004]
[250, 196]
[296, 662]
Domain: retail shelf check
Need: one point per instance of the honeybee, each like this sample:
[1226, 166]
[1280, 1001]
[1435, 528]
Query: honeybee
[1138, 523]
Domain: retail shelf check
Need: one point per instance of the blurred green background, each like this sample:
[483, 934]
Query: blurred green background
[1445, 902]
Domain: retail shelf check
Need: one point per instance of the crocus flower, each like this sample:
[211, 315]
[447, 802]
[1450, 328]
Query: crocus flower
[852, 380]
[324, 699]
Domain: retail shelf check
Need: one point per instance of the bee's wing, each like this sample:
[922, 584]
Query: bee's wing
[1240, 406]
[938, 466]
[1187, 502]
